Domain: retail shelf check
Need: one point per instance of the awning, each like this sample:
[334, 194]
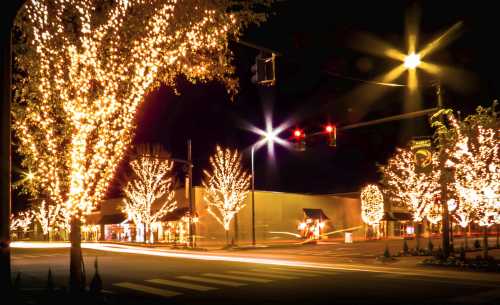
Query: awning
[113, 219]
[397, 216]
[176, 214]
[92, 219]
[315, 214]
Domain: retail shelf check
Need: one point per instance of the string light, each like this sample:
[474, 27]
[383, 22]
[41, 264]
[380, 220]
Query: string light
[47, 216]
[372, 204]
[22, 221]
[86, 67]
[153, 181]
[434, 216]
[404, 184]
[226, 187]
[474, 156]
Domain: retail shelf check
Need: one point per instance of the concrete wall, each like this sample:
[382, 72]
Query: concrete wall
[274, 212]
[278, 212]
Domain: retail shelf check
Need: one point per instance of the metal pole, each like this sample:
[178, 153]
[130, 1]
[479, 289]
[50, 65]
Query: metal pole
[444, 190]
[253, 196]
[192, 209]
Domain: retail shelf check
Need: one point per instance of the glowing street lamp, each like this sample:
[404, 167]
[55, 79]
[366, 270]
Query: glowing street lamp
[412, 61]
[269, 137]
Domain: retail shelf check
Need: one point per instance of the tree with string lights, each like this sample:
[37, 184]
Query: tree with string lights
[47, 216]
[404, 184]
[474, 158]
[22, 220]
[372, 205]
[83, 68]
[152, 182]
[226, 186]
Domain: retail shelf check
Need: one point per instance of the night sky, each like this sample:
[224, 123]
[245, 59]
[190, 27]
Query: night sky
[315, 39]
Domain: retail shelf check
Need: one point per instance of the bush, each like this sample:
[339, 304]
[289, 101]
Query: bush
[50, 282]
[406, 250]
[387, 254]
[439, 254]
[430, 246]
[462, 254]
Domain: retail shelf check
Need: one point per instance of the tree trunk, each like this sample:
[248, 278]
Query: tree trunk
[485, 242]
[227, 237]
[466, 235]
[76, 276]
[417, 236]
[498, 236]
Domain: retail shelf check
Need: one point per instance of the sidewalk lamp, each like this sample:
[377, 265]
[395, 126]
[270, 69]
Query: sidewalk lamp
[269, 137]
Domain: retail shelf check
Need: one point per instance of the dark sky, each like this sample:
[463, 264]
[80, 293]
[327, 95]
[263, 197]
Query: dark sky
[315, 39]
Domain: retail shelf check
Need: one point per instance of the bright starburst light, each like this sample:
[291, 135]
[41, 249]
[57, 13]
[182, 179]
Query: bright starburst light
[412, 59]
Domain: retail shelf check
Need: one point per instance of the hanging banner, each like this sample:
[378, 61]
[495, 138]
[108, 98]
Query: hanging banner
[422, 150]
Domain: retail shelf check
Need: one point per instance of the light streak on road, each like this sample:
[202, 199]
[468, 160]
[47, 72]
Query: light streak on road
[481, 279]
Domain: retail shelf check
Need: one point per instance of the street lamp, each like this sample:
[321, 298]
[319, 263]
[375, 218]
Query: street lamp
[412, 61]
[269, 137]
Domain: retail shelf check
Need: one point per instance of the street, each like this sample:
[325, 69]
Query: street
[152, 279]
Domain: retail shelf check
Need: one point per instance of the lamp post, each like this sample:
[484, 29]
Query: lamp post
[253, 195]
[269, 137]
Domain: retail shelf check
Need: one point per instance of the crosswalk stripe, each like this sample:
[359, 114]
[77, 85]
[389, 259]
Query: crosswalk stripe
[30, 256]
[211, 281]
[181, 284]
[307, 271]
[151, 290]
[238, 278]
[285, 272]
[261, 274]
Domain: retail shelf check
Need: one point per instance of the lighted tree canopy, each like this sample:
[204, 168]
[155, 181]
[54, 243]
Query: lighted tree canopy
[402, 182]
[372, 204]
[226, 186]
[84, 66]
[152, 181]
[473, 158]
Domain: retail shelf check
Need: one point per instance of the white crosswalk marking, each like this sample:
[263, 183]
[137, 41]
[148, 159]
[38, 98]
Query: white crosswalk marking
[286, 272]
[30, 256]
[307, 271]
[181, 284]
[210, 281]
[238, 278]
[261, 274]
[147, 289]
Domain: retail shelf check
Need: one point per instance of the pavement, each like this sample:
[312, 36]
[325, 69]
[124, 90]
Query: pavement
[327, 273]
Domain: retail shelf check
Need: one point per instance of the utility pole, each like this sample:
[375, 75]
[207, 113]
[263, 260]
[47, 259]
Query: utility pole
[253, 196]
[444, 185]
[192, 209]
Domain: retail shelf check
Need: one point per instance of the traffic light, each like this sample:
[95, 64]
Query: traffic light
[264, 69]
[299, 138]
[331, 132]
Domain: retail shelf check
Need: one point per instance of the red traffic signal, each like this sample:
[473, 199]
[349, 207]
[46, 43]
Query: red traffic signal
[331, 131]
[298, 133]
[299, 137]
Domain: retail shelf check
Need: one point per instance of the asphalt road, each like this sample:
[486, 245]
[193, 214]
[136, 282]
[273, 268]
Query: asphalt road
[144, 279]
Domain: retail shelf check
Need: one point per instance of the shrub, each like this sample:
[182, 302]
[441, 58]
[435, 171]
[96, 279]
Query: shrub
[387, 254]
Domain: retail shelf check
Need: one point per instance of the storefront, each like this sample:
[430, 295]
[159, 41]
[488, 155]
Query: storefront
[313, 224]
